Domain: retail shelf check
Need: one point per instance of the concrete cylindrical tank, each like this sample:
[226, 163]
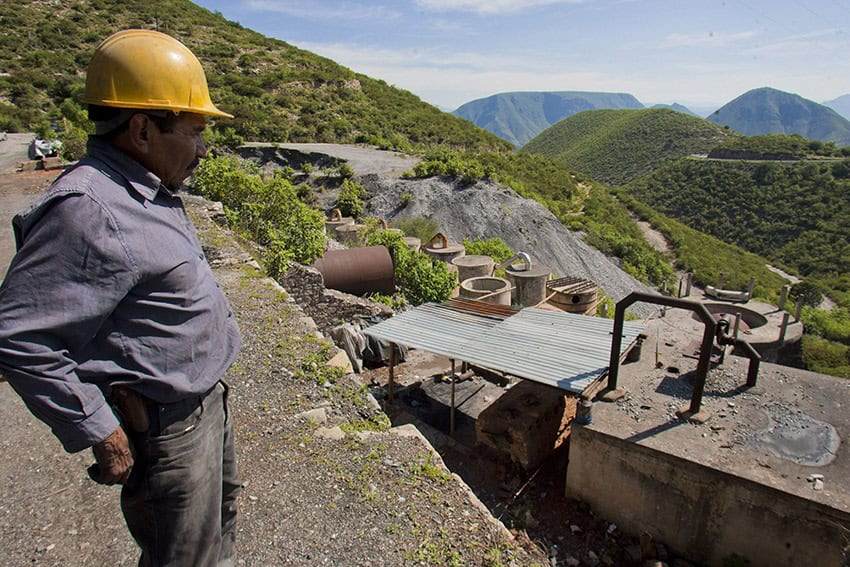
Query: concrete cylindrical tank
[473, 266]
[335, 220]
[413, 243]
[487, 289]
[440, 248]
[383, 227]
[530, 284]
[349, 233]
[358, 270]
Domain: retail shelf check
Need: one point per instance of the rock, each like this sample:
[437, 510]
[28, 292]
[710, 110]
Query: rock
[571, 561]
[317, 415]
[575, 529]
[333, 433]
[341, 360]
[818, 484]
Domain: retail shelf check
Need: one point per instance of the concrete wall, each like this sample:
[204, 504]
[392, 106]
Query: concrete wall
[702, 513]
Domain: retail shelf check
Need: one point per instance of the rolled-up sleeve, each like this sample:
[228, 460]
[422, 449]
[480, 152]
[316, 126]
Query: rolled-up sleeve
[71, 271]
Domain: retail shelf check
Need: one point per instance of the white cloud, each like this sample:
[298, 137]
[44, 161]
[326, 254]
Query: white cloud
[488, 6]
[323, 10]
[449, 79]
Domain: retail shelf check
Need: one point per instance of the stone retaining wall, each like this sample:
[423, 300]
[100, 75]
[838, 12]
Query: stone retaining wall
[328, 308]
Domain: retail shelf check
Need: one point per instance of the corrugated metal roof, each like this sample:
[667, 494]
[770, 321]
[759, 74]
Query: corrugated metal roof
[564, 350]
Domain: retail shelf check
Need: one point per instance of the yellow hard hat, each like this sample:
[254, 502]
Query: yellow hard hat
[146, 69]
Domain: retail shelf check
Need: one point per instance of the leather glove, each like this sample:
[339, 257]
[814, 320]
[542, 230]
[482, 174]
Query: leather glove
[114, 459]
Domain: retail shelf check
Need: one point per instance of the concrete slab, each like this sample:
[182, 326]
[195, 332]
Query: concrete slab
[762, 444]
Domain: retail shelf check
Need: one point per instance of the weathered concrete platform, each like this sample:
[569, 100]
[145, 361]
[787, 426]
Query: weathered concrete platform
[767, 477]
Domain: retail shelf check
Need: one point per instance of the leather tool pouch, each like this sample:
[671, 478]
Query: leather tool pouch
[132, 408]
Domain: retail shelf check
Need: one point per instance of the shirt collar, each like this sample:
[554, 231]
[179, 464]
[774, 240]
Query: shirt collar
[143, 181]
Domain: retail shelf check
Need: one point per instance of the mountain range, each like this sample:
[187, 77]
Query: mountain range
[841, 105]
[770, 111]
[520, 116]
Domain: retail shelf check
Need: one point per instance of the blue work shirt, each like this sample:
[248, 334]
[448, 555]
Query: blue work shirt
[109, 287]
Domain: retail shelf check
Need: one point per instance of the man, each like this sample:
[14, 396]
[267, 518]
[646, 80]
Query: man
[112, 327]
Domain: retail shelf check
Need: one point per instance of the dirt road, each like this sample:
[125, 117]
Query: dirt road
[17, 190]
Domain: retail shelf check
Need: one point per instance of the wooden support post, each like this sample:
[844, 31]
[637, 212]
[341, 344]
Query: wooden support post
[799, 309]
[720, 280]
[452, 404]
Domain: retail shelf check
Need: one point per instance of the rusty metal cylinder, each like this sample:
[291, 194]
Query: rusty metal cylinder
[358, 270]
[473, 266]
[487, 289]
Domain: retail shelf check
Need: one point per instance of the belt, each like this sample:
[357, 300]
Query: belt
[141, 414]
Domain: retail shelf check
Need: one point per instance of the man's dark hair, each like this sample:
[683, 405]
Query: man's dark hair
[164, 119]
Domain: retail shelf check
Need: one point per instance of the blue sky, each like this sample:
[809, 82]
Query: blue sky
[698, 53]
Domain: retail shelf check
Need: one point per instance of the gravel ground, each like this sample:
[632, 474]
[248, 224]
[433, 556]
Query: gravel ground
[325, 482]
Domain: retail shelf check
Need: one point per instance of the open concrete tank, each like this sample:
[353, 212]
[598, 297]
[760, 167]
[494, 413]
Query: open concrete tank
[487, 289]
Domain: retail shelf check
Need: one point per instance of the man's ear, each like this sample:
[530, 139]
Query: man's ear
[139, 132]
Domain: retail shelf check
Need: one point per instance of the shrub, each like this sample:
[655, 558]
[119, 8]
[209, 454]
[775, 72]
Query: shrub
[350, 200]
[345, 170]
[493, 247]
[420, 279]
[269, 212]
[420, 227]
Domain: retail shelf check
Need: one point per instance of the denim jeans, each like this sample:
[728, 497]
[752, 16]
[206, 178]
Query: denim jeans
[180, 500]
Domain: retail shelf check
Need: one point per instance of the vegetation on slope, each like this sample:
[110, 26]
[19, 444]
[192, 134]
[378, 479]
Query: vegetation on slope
[796, 214]
[277, 92]
[778, 146]
[617, 146]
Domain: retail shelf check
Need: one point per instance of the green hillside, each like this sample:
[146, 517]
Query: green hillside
[796, 214]
[770, 111]
[617, 146]
[518, 117]
[276, 91]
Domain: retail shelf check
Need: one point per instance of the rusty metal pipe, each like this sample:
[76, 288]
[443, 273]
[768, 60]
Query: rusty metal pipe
[443, 238]
[705, 349]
